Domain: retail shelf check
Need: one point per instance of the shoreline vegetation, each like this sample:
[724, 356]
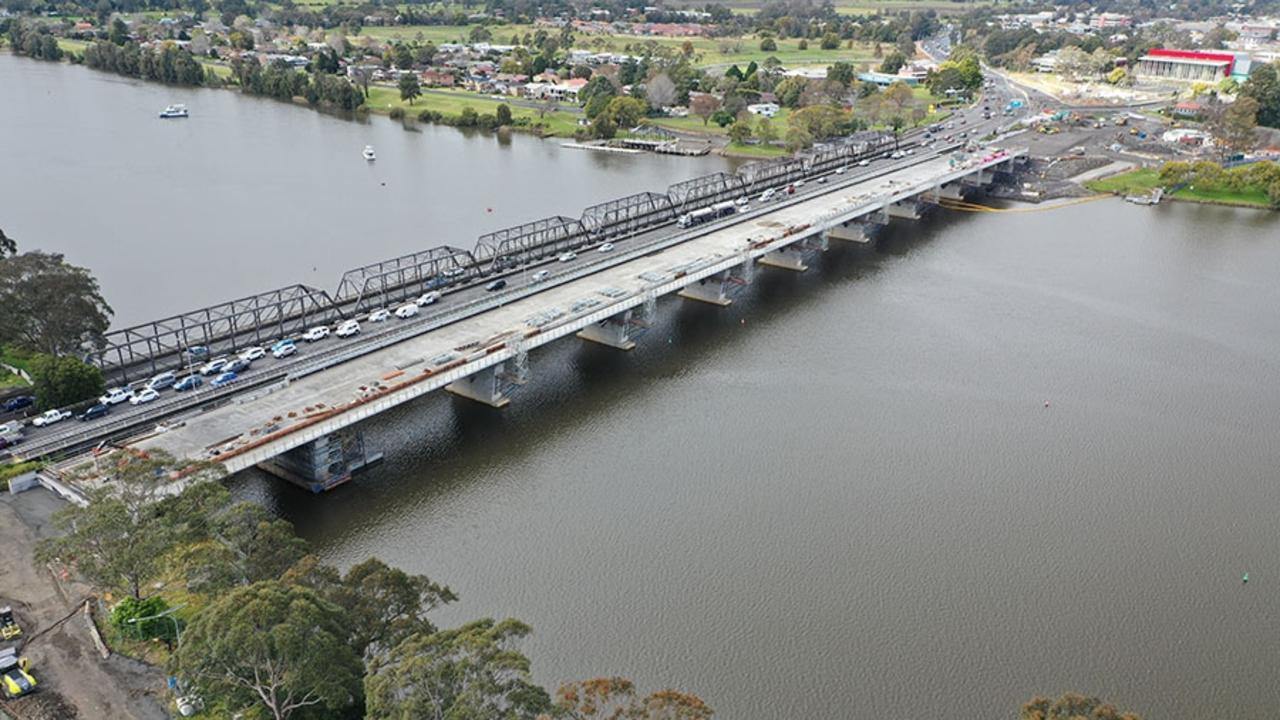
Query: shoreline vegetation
[1254, 185]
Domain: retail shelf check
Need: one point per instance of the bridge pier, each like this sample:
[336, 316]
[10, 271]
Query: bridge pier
[323, 463]
[906, 209]
[946, 191]
[790, 257]
[851, 231]
[978, 179]
[614, 332]
[710, 289]
[484, 387]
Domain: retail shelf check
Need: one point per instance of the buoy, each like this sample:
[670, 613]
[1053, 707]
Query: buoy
[1245, 579]
[1046, 403]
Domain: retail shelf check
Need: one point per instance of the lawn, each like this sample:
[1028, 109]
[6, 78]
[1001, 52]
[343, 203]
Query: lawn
[1144, 180]
[719, 52]
[754, 151]
[384, 98]
[439, 34]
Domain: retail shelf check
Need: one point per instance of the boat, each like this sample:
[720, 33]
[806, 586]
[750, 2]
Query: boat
[174, 111]
[368, 153]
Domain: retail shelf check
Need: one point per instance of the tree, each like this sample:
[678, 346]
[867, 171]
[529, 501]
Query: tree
[1071, 706]
[119, 539]
[245, 545]
[820, 121]
[615, 699]
[830, 41]
[272, 647]
[790, 90]
[624, 112]
[503, 115]
[8, 246]
[768, 44]
[798, 139]
[740, 132]
[63, 381]
[843, 73]
[50, 306]
[383, 605]
[704, 105]
[766, 131]
[893, 62]
[409, 87]
[479, 34]
[468, 672]
[1235, 124]
[598, 86]
[660, 91]
[1263, 85]
[118, 33]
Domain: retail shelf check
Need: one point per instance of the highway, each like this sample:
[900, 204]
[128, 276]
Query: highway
[456, 304]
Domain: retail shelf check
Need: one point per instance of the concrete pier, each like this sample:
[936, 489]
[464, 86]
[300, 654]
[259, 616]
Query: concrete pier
[855, 232]
[614, 332]
[905, 209]
[324, 463]
[790, 257]
[483, 387]
[708, 290]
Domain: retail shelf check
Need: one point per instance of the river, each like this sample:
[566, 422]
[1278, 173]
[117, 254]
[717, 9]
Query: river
[995, 455]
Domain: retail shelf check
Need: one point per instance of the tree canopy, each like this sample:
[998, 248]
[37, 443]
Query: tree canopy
[50, 305]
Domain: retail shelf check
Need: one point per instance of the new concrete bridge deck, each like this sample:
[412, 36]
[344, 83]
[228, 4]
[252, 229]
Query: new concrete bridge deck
[478, 356]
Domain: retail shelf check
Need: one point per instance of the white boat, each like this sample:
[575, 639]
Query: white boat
[174, 111]
[368, 153]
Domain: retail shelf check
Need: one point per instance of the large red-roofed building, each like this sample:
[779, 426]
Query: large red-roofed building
[1186, 65]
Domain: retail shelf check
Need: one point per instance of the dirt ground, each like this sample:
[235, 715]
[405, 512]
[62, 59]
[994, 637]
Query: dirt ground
[75, 682]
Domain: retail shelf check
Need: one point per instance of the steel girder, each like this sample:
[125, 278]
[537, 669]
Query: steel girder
[761, 175]
[515, 246]
[628, 215]
[706, 190]
[144, 349]
[378, 284]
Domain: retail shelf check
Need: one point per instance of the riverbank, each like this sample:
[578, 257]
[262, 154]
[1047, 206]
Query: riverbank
[1143, 181]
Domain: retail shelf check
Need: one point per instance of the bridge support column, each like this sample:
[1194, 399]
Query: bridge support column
[324, 463]
[907, 209]
[790, 257]
[483, 387]
[946, 191]
[850, 232]
[709, 290]
[614, 332]
[978, 179]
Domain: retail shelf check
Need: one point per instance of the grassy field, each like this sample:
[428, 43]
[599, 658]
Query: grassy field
[1144, 180]
[754, 151]
[438, 34]
[383, 99]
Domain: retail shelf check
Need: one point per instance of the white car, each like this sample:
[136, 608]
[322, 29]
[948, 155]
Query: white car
[114, 396]
[840, 170]
[379, 315]
[50, 417]
[742, 201]
[214, 365]
[404, 312]
[8, 428]
[567, 256]
[606, 247]
[768, 195]
[453, 272]
[318, 332]
[348, 328]
[429, 298]
[864, 162]
[540, 276]
[145, 395]
[284, 351]
[253, 353]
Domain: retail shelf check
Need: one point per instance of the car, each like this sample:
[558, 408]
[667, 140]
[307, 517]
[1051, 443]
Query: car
[910, 151]
[404, 312]
[379, 315]
[822, 180]
[453, 272]
[840, 170]
[50, 417]
[214, 365]
[145, 395]
[7, 441]
[348, 328]
[495, 285]
[540, 276]
[253, 353]
[798, 184]
[284, 351]
[9, 428]
[606, 247]
[190, 382]
[238, 365]
[864, 162]
[114, 396]
[742, 201]
[93, 413]
[768, 195]
[162, 381]
[428, 298]
[198, 351]
[281, 343]
[951, 126]
[18, 403]
[567, 256]
[224, 380]
[318, 332]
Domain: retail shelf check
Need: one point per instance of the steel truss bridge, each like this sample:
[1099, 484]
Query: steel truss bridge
[140, 351]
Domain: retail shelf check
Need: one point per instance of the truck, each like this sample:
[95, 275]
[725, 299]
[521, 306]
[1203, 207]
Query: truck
[707, 214]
